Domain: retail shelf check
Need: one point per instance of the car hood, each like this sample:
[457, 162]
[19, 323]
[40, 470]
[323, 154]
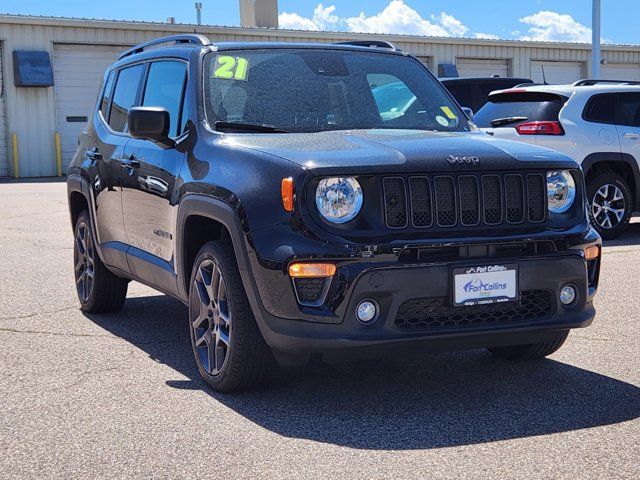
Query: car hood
[389, 151]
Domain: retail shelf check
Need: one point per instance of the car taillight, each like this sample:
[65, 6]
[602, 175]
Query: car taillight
[540, 128]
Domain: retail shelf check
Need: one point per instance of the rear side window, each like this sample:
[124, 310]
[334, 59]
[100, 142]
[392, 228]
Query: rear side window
[629, 109]
[165, 87]
[106, 97]
[601, 109]
[124, 97]
[509, 109]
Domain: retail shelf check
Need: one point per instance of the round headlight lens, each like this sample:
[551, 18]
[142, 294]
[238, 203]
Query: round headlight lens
[561, 191]
[339, 199]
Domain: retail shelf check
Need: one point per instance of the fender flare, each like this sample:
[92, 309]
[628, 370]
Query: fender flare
[630, 160]
[222, 212]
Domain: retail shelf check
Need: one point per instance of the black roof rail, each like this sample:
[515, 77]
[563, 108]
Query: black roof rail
[370, 44]
[589, 82]
[191, 38]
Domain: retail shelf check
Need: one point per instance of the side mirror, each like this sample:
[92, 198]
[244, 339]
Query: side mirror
[151, 123]
[468, 112]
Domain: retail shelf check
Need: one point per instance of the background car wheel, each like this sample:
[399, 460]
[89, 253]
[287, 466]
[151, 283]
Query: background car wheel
[99, 290]
[532, 351]
[610, 204]
[229, 349]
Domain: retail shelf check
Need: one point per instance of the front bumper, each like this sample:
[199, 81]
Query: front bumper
[333, 332]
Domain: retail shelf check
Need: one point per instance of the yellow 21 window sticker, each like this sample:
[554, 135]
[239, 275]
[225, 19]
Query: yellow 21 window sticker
[447, 111]
[230, 68]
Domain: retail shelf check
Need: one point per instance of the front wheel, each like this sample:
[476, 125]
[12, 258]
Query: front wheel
[229, 349]
[531, 351]
[610, 204]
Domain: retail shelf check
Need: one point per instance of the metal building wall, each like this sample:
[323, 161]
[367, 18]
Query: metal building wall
[31, 112]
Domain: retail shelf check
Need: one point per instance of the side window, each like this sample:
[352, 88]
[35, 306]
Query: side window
[393, 98]
[124, 97]
[106, 97]
[629, 112]
[165, 84]
[601, 109]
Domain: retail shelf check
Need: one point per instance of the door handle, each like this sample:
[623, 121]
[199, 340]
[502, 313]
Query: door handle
[93, 154]
[632, 136]
[130, 162]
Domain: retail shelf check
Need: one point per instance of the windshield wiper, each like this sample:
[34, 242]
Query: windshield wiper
[246, 127]
[499, 122]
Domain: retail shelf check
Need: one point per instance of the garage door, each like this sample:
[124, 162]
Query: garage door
[621, 71]
[557, 73]
[4, 154]
[482, 67]
[78, 71]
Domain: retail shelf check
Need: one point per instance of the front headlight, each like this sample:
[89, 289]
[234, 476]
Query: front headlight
[339, 199]
[561, 191]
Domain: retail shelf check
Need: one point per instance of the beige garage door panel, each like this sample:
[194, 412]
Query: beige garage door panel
[482, 67]
[78, 72]
[4, 154]
[621, 71]
[557, 73]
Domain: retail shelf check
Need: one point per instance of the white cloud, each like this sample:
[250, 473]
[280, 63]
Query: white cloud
[397, 17]
[546, 26]
[485, 36]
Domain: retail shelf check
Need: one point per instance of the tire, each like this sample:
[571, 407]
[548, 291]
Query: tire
[531, 351]
[227, 344]
[99, 290]
[610, 204]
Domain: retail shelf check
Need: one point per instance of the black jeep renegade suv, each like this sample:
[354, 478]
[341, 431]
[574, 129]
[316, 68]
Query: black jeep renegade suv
[301, 209]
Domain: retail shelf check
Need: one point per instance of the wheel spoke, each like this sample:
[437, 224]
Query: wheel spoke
[619, 213]
[617, 195]
[211, 355]
[220, 357]
[223, 337]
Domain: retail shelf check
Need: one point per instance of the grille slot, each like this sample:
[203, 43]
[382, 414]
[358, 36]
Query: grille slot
[445, 201]
[395, 202]
[537, 197]
[514, 198]
[420, 192]
[465, 200]
[435, 313]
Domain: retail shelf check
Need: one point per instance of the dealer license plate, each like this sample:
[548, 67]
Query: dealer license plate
[485, 284]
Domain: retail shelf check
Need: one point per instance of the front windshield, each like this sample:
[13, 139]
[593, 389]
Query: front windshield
[312, 90]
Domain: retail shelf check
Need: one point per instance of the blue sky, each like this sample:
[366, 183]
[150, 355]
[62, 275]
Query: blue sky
[555, 20]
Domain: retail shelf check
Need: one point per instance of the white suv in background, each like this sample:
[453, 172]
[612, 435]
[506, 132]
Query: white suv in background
[594, 121]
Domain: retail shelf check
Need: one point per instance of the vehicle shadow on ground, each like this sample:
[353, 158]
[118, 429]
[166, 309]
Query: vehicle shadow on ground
[630, 237]
[432, 401]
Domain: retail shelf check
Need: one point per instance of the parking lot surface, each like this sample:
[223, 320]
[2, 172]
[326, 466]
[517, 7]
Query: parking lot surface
[119, 395]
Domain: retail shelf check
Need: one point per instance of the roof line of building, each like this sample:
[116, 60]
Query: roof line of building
[8, 18]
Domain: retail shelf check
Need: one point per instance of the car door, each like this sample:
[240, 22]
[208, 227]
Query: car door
[628, 124]
[149, 177]
[106, 154]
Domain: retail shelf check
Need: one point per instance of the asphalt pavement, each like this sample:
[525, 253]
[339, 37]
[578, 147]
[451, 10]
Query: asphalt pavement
[119, 396]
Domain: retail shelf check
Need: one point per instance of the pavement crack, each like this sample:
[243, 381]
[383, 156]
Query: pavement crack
[35, 314]
[584, 337]
[58, 334]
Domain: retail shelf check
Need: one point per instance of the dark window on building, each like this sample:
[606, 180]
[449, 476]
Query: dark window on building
[601, 109]
[124, 97]
[106, 97]
[165, 85]
[629, 109]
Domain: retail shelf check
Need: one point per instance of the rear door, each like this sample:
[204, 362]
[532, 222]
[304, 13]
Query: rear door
[149, 178]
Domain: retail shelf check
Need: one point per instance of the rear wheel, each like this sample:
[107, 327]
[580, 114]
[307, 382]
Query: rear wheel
[610, 204]
[531, 351]
[229, 349]
[99, 290]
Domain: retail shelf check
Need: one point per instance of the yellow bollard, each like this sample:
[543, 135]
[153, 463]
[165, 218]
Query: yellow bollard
[58, 153]
[16, 170]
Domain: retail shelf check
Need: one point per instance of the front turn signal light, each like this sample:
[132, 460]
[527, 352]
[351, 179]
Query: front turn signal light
[286, 190]
[312, 270]
[592, 252]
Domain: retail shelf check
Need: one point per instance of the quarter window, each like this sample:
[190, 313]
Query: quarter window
[601, 109]
[124, 97]
[106, 97]
[165, 85]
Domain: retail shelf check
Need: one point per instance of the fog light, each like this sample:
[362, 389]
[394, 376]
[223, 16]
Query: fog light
[567, 295]
[367, 312]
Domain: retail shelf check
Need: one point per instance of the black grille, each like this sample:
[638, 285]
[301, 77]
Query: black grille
[309, 290]
[465, 200]
[395, 202]
[436, 313]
